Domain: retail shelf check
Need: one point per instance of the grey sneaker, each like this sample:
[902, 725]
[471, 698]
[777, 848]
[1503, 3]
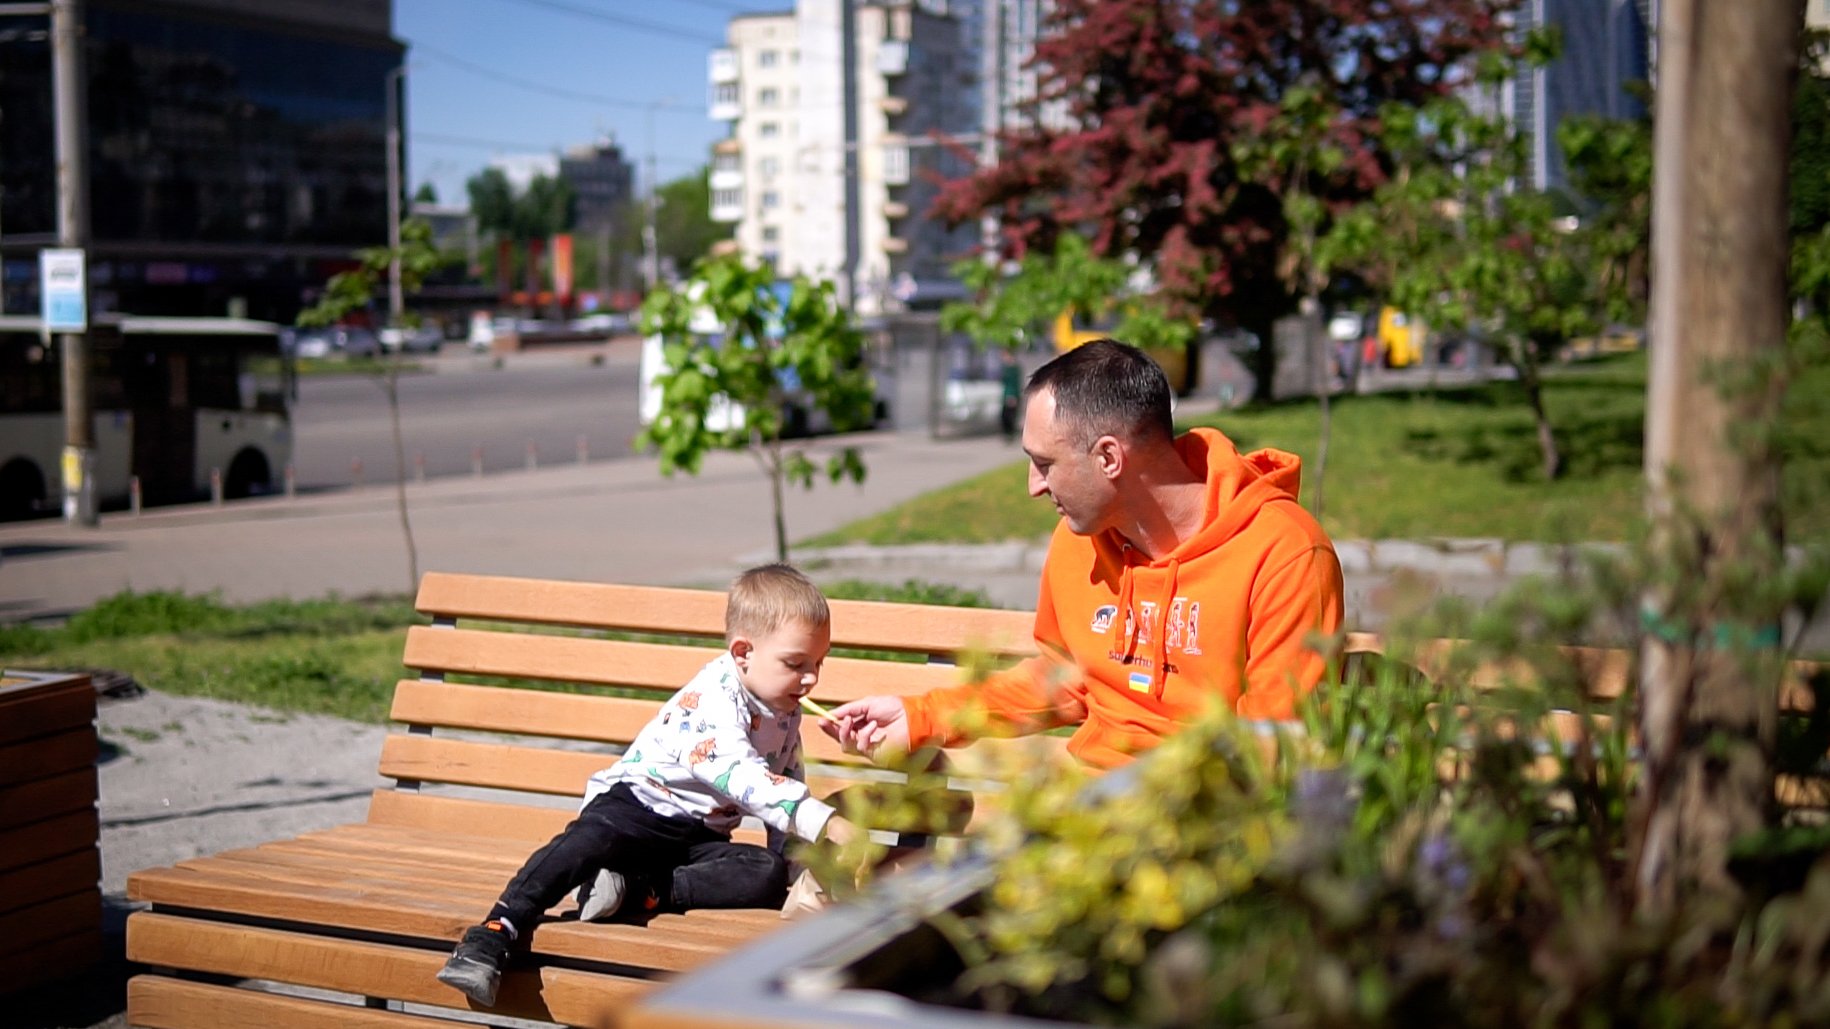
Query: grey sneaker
[475, 967]
[602, 897]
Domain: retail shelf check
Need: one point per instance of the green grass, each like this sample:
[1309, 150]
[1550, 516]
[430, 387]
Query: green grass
[333, 657]
[1460, 462]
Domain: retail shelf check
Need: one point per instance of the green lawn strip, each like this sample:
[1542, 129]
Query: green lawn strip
[332, 656]
[1452, 462]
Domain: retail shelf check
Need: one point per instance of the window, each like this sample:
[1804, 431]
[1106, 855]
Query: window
[896, 165]
[769, 167]
[767, 58]
[771, 199]
[768, 96]
[771, 234]
[726, 197]
[725, 93]
[768, 130]
[726, 163]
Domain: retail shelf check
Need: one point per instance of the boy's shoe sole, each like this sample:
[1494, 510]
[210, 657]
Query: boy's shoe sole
[604, 898]
[475, 979]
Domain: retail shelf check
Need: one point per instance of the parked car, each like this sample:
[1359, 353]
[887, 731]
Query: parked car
[347, 340]
[611, 322]
[425, 339]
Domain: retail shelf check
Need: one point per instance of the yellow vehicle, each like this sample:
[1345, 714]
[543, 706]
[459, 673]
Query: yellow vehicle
[1072, 328]
[1400, 338]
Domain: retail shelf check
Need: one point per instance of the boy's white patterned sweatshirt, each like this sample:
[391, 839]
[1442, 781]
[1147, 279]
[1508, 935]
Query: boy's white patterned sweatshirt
[715, 753]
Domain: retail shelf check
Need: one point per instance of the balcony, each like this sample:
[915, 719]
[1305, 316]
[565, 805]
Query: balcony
[895, 245]
[893, 105]
[726, 178]
[895, 209]
[724, 102]
[893, 57]
[722, 66]
[727, 205]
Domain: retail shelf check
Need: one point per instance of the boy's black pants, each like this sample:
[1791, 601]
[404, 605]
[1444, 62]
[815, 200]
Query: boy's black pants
[689, 865]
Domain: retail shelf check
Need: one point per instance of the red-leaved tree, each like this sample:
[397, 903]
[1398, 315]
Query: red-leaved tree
[1143, 107]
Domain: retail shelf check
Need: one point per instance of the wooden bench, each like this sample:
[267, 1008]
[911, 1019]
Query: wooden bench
[488, 763]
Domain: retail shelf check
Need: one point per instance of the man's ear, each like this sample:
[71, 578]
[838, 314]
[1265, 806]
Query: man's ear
[1109, 454]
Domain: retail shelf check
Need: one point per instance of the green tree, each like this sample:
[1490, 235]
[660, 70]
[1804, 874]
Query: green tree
[1454, 239]
[427, 193]
[730, 394]
[545, 207]
[1012, 305]
[352, 291]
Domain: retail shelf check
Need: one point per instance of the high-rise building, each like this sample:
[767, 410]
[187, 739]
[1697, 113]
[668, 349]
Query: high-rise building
[839, 112]
[601, 179]
[1607, 46]
[237, 150]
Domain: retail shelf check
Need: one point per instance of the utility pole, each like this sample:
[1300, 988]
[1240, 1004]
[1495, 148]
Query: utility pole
[71, 103]
[1711, 663]
[651, 251]
[396, 301]
[848, 89]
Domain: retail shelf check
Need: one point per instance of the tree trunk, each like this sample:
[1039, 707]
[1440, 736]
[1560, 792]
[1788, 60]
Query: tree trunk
[1533, 382]
[1709, 675]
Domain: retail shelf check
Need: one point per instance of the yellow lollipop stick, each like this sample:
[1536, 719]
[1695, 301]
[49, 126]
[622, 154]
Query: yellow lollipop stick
[816, 710]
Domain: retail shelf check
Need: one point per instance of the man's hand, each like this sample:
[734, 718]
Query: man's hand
[868, 724]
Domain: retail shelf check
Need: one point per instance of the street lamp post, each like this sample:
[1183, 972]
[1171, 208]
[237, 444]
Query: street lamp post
[651, 251]
[396, 302]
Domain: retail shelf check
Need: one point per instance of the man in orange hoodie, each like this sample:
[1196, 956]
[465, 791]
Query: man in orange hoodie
[1181, 571]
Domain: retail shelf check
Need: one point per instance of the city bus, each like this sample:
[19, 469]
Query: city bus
[176, 402]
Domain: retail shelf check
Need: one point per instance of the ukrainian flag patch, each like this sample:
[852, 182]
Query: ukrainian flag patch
[1140, 681]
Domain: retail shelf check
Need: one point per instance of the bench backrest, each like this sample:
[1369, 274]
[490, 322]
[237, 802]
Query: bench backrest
[526, 687]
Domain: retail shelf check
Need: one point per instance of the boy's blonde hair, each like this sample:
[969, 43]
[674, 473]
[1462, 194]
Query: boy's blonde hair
[770, 596]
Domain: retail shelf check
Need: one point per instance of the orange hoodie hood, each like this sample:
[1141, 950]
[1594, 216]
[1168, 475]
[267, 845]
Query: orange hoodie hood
[1225, 616]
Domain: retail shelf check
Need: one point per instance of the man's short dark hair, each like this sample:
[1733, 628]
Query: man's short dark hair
[1106, 388]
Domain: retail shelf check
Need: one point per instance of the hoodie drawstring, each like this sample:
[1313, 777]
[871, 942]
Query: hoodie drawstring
[1159, 675]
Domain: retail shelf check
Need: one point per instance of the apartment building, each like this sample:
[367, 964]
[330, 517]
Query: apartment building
[838, 112]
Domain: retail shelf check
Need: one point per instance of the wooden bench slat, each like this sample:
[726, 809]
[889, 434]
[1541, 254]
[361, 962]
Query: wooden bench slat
[661, 667]
[39, 841]
[556, 773]
[50, 960]
[469, 898]
[160, 1003]
[578, 716]
[64, 793]
[907, 628]
[366, 969]
[667, 944]
[75, 872]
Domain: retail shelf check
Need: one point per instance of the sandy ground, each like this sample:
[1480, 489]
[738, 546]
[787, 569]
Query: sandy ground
[183, 777]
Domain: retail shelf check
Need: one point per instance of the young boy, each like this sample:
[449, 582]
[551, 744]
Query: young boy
[655, 828]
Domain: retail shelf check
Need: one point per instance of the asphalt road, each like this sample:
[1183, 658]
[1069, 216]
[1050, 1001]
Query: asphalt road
[446, 416]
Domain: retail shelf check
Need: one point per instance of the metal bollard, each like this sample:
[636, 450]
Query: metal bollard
[355, 473]
[584, 449]
[533, 456]
[476, 461]
[292, 482]
[216, 487]
[133, 495]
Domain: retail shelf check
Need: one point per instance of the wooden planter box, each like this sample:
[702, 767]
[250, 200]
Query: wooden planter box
[50, 867]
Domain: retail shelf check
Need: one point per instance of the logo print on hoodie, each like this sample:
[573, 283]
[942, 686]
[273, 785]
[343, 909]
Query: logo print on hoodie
[1102, 618]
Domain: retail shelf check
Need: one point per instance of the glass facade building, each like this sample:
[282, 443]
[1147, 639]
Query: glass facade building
[237, 151]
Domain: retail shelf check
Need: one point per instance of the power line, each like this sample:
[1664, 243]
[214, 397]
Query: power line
[620, 21]
[541, 87]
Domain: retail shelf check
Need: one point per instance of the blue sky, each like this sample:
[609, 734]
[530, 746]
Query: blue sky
[497, 77]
